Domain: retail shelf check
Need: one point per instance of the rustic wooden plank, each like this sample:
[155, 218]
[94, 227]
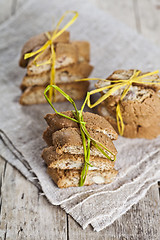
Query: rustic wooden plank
[2, 172]
[137, 15]
[121, 10]
[24, 213]
[8, 8]
[19, 4]
[141, 222]
[148, 12]
[137, 221]
[5, 9]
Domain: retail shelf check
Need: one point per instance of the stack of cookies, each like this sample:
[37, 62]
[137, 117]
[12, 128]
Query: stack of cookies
[72, 62]
[140, 108]
[64, 154]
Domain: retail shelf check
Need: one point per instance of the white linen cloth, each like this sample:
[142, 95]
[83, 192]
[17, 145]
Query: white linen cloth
[113, 46]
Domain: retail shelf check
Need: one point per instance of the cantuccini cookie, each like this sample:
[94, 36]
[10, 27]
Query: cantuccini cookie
[69, 140]
[83, 50]
[66, 54]
[70, 178]
[140, 108]
[37, 42]
[93, 121]
[64, 155]
[71, 63]
[35, 94]
[74, 161]
[63, 75]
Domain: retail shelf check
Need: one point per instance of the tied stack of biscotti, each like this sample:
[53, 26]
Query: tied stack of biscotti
[65, 156]
[140, 108]
[71, 63]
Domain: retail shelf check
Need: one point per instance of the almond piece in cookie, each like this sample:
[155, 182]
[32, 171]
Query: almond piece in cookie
[63, 75]
[66, 54]
[70, 178]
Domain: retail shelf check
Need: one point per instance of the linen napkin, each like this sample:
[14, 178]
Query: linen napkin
[113, 46]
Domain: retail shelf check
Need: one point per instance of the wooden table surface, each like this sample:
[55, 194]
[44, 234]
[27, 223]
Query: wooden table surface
[25, 214]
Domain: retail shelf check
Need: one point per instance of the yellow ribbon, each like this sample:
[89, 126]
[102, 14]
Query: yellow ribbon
[78, 117]
[50, 43]
[117, 84]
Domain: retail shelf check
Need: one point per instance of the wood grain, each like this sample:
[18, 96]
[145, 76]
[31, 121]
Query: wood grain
[122, 10]
[5, 9]
[142, 15]
[8, 8]
[149, 15]
[25, 214]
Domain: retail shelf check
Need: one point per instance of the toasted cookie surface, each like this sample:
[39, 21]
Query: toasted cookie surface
[140, 108]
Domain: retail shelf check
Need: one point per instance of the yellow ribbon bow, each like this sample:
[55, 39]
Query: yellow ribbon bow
[50, 43]
[117, 84]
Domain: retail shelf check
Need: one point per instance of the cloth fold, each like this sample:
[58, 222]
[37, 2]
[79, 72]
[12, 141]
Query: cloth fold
[21, 127]
[15, 158]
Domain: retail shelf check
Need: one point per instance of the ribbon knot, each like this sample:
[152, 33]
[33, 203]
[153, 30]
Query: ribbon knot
[130, 81]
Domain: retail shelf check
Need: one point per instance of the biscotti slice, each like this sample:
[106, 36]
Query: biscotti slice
[69, 140]
[63, 75]
[137, 92]
[141, 105]
[35, 94]
[83, 50]
[141, 110]
[70, 178]
[93, 122]
[74, 161]
[74, 72]
[141, 99]
[37, 42]
[66, 54]
[133, 130]
[127, 74]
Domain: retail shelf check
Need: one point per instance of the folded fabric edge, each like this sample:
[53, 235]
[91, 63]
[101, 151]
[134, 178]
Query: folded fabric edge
[84, 196]
[16, 15]
[89, 221]
[97, 223]
[16, 159]
[13, 156]
[18, 162]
